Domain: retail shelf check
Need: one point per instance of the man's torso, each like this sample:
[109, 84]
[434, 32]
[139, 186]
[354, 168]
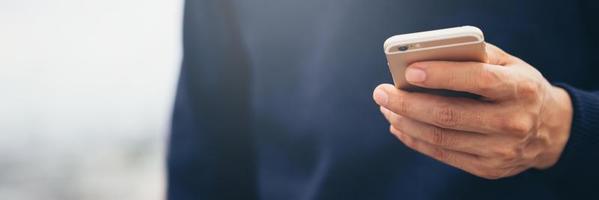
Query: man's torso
[292, 81]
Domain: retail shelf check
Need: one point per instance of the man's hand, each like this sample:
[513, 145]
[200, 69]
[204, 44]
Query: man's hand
[521, 121]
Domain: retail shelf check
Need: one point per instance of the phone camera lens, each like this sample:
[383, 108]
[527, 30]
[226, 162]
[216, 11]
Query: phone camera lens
[403, 48]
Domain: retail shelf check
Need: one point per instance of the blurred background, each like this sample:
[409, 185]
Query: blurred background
[86, 89]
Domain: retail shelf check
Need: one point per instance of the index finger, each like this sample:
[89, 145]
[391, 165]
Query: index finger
[446, 112]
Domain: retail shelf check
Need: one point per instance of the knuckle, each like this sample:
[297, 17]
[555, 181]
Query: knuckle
[446, 116]
[517, 153]
[516, 125]
[438, 136]
[503, 159]
[440, 154]
[506, 154]
[528, 90]
[403, 105]
[487, 79]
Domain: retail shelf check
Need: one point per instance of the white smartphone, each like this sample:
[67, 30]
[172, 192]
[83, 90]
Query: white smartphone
[464, 43]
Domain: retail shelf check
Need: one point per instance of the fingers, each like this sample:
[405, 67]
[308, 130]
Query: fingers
[456, 159]
[445, 112]
[470, 163]
[471, 143]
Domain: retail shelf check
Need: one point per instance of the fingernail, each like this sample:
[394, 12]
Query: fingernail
[415, 75]
[380, 97]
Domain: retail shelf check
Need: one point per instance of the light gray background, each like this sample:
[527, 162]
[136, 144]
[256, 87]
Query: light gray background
[86, 89]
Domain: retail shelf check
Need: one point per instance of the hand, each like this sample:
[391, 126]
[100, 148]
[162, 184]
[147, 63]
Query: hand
[521, 121]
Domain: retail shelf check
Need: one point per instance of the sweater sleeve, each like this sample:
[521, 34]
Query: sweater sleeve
[579, 161]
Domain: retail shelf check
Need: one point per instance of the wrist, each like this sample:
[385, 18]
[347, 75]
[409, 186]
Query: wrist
[557, 123]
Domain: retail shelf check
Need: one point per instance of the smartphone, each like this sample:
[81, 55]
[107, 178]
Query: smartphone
[465, 43]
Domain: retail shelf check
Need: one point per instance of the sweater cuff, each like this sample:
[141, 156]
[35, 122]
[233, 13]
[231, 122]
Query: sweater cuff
[581, 147]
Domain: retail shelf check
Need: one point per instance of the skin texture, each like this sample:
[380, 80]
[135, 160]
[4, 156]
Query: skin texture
[520, 122]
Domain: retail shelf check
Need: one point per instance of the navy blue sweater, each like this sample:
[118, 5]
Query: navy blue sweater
[274, 99]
